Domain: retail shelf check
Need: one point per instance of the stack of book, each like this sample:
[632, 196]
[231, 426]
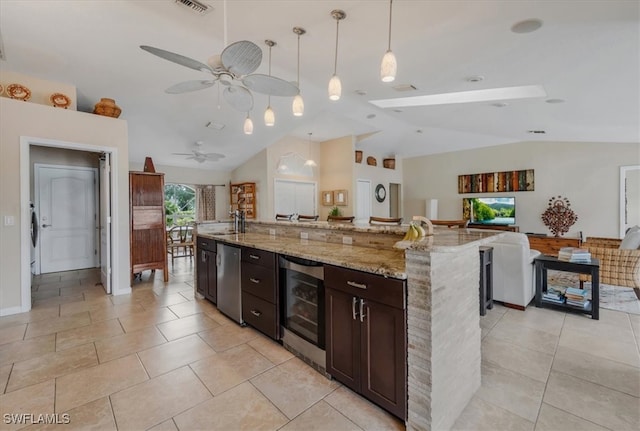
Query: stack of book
[577, 297]
[573, 254]
[554, 294]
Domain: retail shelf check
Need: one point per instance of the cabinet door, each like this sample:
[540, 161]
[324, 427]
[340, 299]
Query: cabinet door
[201, 272]
[212, 279]
[383, 356]
[342, 338]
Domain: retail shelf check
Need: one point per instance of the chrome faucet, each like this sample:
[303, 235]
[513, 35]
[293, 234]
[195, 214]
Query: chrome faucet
[238, 220]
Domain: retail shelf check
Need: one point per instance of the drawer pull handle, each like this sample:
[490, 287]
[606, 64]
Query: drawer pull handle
[254, 280]
[362, 315]
[353, 307]
[356, 284]
[256, 313]
[254, 256]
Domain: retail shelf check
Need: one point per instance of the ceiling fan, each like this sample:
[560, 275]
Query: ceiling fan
[233, 69]
[199, 156]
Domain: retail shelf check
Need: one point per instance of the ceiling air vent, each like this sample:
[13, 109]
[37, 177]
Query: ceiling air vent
[404, 87]
[195, 6]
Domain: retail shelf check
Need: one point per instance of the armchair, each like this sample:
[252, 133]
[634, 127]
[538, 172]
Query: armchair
[513, 272]
[618, 267]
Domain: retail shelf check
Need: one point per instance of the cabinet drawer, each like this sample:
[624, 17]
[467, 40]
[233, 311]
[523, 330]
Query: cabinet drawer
[387, 291]
[206, 243]
[259, 257]
[260, 314]
[259, 281]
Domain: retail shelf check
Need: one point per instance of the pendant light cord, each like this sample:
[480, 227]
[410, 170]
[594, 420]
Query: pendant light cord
[390, 14]
[224, 14]
[335, 61]
[298, 81]
[269, 96]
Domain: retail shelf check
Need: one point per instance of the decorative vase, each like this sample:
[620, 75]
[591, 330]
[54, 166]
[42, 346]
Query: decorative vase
[371, 161]
[389, 163]
[107, 107]
[358, 156]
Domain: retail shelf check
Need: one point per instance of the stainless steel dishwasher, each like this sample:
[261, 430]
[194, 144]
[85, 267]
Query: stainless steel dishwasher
[228, 282]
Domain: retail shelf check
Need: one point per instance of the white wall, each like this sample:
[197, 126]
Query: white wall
[378, 175]
[336, 172]
[585, 173]
[24, 119]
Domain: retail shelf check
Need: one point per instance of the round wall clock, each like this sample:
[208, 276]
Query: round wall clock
[381, 193]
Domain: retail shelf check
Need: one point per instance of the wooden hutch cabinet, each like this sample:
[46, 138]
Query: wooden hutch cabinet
[148, 243]
[243, 197]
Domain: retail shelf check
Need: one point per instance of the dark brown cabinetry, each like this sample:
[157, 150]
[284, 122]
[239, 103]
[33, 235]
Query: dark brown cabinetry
[206, 269]
[366, 330]
[258, 279]
[243, 197]
[148, 240]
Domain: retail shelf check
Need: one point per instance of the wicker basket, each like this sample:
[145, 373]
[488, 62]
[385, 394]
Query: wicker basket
[358, 156]
[389, 163]
[371, 161]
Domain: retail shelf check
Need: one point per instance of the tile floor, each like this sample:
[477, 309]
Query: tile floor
[160, 359]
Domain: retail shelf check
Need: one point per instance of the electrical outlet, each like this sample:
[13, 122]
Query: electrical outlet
[272, 232]
[347, 240]
[304, 235]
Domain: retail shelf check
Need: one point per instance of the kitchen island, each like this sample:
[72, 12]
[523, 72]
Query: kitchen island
[442, 276]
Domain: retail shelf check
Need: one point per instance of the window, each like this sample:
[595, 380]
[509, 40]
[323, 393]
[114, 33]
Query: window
[179, 204]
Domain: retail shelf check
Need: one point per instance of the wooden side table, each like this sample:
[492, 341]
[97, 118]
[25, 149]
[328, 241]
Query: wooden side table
[544, 263]
[486, 279]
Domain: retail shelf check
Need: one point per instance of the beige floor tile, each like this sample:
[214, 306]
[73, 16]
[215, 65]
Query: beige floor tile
[90, 384]
[480, 415]
[541, 319]
[147, 318]
[88, 334]
[132, 342]
[5, 371]
[227, 369]
[94, 416]
[319, 417]
[45, 294]
[154, 401]
[362, 412]
[80, 289]
[192, 307]
[12, 333]
[516, 358]
[30, 316]
[219, 317]
[51, 365]
[595, 403]
[309, 387]
[186, 326]
[271, 350]
[168, 425]
[49, 326]
[57, 285]
[611, 317]
[174, 354]
[621, 331]
[37, 399]
[635, 325]
[602, 346]
[57, 300]
[228, 336]
[524, 336]
[108, 312]
[612, 374]
[190, 295]
[164, 300]
[553, 419]
[83, 305]
[511, 391]
[27, 349]
[241, 408]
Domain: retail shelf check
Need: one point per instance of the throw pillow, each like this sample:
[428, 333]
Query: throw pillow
[631, 241]
[632, 229]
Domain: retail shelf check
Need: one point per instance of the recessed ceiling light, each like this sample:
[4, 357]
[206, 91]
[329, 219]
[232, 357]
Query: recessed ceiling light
[419, 131]
[397, 110]
[555, 100]
[536, 132]
[487, 95]
[404, 87]
[526, 26]
[370, 116]
[500, 104]
[475, 78]
[361, 92]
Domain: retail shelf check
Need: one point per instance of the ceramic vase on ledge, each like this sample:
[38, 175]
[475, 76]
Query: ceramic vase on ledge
[107, 107]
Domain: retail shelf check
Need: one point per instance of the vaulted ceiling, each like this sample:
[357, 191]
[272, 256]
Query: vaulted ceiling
[587, 54]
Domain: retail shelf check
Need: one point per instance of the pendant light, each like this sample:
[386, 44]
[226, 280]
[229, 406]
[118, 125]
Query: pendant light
[310, 162]
[298, 104]
[335, 86]
[389, 66]
[269, 115]
[248, 125]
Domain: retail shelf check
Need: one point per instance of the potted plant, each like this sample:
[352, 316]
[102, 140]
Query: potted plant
[335, 211]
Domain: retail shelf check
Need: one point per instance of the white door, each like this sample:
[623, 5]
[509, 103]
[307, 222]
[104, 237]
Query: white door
[66, 199]
[363, 200]
[105, 222]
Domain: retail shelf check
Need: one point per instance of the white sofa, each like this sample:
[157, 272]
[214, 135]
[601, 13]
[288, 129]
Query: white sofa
[513, 271]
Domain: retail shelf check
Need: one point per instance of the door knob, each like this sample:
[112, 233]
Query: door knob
[46, 225]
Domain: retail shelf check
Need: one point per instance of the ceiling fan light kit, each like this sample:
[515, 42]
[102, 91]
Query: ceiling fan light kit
[389, 66]
[248, 125]
[269, 117]
[297, 105]
[335, 86]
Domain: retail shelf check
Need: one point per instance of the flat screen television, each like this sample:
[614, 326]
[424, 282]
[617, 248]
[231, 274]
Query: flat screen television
[490, 210]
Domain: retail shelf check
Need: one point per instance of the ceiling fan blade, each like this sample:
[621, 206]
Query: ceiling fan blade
[182, 154]
[241, 58]
[239, 98]
[187, 86]
[214, 156]
[178, 59]
[270, 85]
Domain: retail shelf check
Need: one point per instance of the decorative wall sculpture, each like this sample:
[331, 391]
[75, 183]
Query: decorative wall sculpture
[558, 216]
[493, 182]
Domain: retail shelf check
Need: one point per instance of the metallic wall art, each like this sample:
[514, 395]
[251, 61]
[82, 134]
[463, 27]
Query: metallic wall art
[493, 182]
[558, 216]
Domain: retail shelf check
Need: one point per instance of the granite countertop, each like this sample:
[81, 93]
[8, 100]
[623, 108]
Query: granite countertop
[388, 263]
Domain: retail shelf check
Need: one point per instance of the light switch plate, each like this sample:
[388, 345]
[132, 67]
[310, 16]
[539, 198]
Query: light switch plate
[304, 235]
[9, 220]
[347, 240]
[272, 232]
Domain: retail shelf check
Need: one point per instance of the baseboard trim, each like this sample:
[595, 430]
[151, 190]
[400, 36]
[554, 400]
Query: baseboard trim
[11, 310]
[514, 306]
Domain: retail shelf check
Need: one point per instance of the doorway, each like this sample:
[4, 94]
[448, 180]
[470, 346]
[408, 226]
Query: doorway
[363, 200]
[395, 203]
